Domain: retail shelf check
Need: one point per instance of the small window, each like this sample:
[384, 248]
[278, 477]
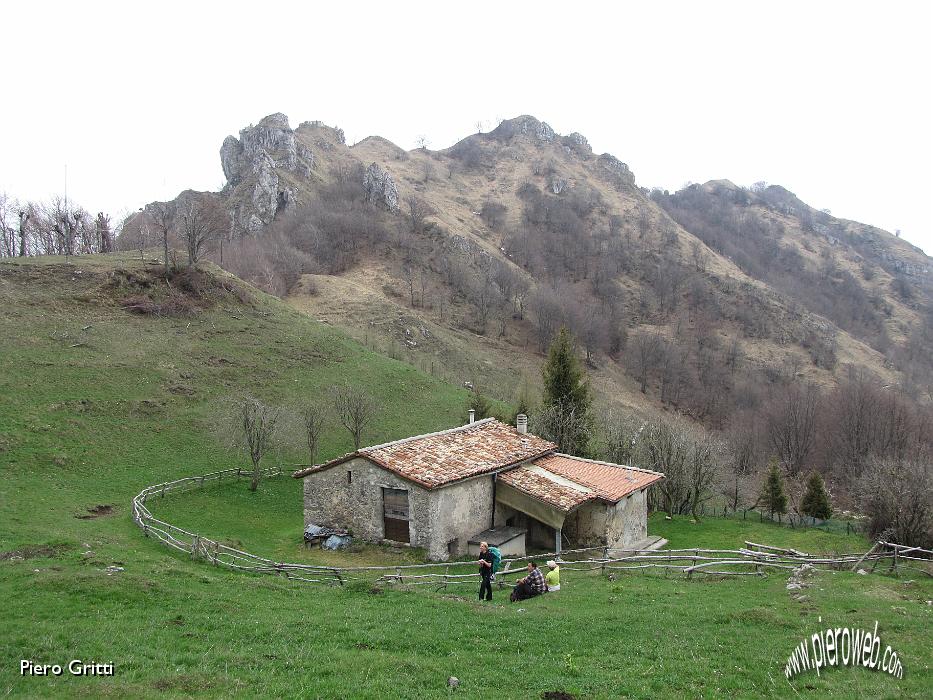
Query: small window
[349, 478]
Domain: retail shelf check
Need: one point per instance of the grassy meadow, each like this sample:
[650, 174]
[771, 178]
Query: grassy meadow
[99, 402]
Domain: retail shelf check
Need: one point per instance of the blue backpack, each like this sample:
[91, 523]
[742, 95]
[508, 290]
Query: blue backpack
[496, 558]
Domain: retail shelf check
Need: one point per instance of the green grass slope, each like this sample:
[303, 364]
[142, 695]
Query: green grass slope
[99, 402]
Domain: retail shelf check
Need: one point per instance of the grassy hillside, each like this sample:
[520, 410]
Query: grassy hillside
[99, 402]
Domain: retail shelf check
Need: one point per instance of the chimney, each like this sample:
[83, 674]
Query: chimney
[472, 415]
[521, 423]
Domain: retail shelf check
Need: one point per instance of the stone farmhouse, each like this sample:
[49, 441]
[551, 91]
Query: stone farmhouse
[484, 480]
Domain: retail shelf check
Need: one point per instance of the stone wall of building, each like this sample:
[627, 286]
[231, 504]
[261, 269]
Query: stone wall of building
[459, 512]
[627, 521]
[441, 520]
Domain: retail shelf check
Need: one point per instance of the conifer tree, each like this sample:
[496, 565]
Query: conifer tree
[480, 405]
[772, 494]
[564, 415]
[816, 500]
[523, 407]
[564, 380]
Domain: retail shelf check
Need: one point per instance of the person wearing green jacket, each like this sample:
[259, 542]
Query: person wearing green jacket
[552, 577]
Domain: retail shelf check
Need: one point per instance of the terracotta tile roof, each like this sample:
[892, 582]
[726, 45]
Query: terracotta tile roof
[545, 486]
[438, 459]
[611, 482]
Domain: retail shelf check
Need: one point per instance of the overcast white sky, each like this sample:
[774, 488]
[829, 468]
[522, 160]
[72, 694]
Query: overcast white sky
[833, 100]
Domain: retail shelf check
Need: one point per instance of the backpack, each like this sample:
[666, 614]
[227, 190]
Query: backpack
[496, 558]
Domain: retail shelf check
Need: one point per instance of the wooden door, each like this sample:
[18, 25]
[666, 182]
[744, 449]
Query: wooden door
[395, 514]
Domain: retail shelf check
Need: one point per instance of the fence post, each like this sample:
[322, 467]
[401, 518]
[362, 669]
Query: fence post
[194, 547]
[446, 574]
[605, 558]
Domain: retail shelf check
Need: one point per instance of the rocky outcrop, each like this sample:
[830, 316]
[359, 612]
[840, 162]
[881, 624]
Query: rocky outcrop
[337, 132]
[617, 172]
[266, 190]
[380, 188]
[577, 144]
[271, 139]
[232, 159]
[255, 159]
[525, 126]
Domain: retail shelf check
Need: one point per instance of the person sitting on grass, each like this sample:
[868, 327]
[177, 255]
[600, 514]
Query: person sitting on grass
[552, 577]
[529, 586]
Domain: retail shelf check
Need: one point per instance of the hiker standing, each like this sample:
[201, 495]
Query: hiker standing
[485, 571]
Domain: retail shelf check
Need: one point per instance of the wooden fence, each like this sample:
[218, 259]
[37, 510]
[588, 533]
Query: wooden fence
[751, 560]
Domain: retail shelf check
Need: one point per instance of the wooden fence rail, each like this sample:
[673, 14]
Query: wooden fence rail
[749, 560]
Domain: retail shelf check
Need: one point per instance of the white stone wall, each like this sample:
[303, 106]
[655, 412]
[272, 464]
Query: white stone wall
[627, 521]
[586, 526]
[459, 512]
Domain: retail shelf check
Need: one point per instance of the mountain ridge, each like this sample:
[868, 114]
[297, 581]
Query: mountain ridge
[575, 232]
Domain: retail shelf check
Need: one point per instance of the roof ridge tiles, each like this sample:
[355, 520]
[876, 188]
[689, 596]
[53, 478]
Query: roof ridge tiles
[605, 464]
[446, 431]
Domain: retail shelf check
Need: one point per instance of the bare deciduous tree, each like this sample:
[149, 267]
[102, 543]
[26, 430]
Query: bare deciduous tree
[355, 409]
[897, 496]
[419, 210]
[493, 214]
[256, 431]
[408, 274]
[744, 457]
[792, 426]
[645, 351]
[562, 424]
[701, 471]
[664, 448]
[313, 422]
[201, 223]
[163, 219]
[620, 437]
[104, 233]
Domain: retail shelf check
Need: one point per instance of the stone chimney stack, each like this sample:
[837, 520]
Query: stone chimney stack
[472, 415]
[521, 423]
